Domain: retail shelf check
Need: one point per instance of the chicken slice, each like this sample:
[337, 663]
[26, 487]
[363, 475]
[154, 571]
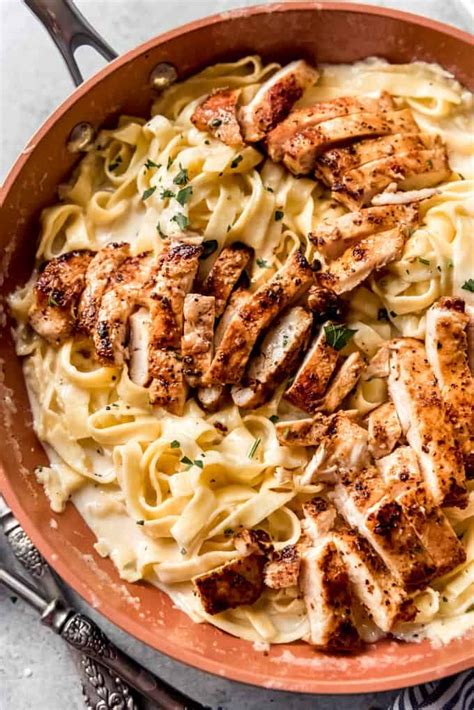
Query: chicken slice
[384, 430]
[401, 473]
[447, 352]
[365, 503]
[172, 283]
[249, 542]
[217, 114]
[379, 364]
[314, 374]
[275, 98]
[325, 585]
[302, 118]
[359, 261]
[413, 170]
[371, 582]
[277, 359]
[198, 334]
[138, 347]
[233, 584]
[56, 295]
[325, 304]
[409, 197]
[308, 432]
[225, 273]
[319, 519]
[283, 568]
[425, 422]
[333, 236]
[302, 150]
[343, 382]
[102, 267]
[253, 317]
[124, 290]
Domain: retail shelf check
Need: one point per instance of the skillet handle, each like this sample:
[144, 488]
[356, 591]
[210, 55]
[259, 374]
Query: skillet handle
[69, 30]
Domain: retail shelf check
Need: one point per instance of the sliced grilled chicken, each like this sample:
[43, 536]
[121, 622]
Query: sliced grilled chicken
[124, 290]
[384, 430]
[104, 264]
[319, 519]
[302, 150]
[56, 295]
[225, 273]
[389, 197]
[283, 568]
[325, 304]
[371, 582]
[364, 501]
[331, 165]
[425, 423]
[249, 542]
[401, 473]
[379, 365]
[275, 98]
[302, 432]
[447, 351]
[343, 382]
[172, 284]
[300, 119]
[333, 236]
[359, 261]
[325, 585]
[233, 584]
[198, 334]
[217, 114]
[253, 317]
[410, 171]
[314, 374]
[277, 359]
[138, 347]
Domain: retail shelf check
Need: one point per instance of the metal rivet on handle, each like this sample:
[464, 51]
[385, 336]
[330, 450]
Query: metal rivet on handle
[163, 75]
[80, 137]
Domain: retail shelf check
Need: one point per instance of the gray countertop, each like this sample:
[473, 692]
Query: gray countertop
[36, 672]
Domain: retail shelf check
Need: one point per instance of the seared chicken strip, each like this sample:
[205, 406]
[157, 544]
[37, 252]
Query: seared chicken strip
[198, 334]
[401, 473]
[275, 98]
[410, 171]
[358, 262]
[379, 365]
[253, 317]
[173, 282]
[249, 542]
[333, 236]
[343, 382]
[138, 347]
[308, 432]
[277, 359]
[225, 273]
[319, 519]
[218, 115]
[56, 295]
[325, 304]
[302, 118]
[425, 422]
[283, 568]
[325, 585]
[102, 267]
[384, 429]
[447, 352]
[314, 374]
[234, 583]
[410, 197]
[124, 290]
[302, 150]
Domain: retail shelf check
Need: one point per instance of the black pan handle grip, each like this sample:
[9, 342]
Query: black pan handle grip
[69, 30]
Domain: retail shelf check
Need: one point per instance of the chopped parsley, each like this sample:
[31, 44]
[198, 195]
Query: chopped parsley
[337, 336]
[150, 164]
[274, 418]
[229, 227]
[181, 220]
[426, 262]
[116, 163]
[187, 461]
[269, 189]
[184, 194]
[148, 193]
[175, 444]
[382, 314]
[140, 522]
[208, 248]
[207, 142]
[262, 263]
[429, 164]
[181, 178]
[52, 301]
[198, 463]
[160, 231]
[238, 159]
[279, 214]
[285, 341]
[166, 193]
[170, 162]
[254, 447]
[468, 285]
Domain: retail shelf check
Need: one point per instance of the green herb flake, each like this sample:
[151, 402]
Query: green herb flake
[279, 214]
[114, 165]
[151, 164]
[426, 262]
[207, 142]
[274, 418]
[140, 522]
[175, 444]
[183, 551]
[238, 159]
[148, 193]
[198, 463]
[160, 231]
[285, 341]
[229, 227]
[382, 314]
[208, 248]
[262, 263]
[228, 532]
[269, 189]
[52, 301]
[187, 461]
[393, 314]
[181, 178]
[166, 193]
[450, 264]
[337, 336]
[254, 447]
[468, 285]
[181, 220]
[184, 194]
[170, 162]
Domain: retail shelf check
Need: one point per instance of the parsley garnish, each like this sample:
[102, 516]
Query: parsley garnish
[337, 336]
[269, 189]
[116, 163]
[160, 231]
[199, 463]
[182, 176]
[170, 162]
[208, 248]
[254, 448]
[206, 142]
[229, 227]
[274, 418]
[187, 461]
[52, 301]
[426, 262]
[468, 285]
[262, 263]
[285, 341]
[181, 220]
[150, 164]
[184, 194]
[140, 522]
[166, 193]
[279, 214]
[175, 444]
[148, 192]
[238, 159]
[382, 314]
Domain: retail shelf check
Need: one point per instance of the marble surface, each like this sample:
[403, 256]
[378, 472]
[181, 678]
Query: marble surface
[36, 671]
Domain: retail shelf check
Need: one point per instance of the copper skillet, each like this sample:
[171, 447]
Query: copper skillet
[321, 32]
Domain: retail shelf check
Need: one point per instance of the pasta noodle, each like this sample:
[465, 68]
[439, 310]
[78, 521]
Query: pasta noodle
[162, 493]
